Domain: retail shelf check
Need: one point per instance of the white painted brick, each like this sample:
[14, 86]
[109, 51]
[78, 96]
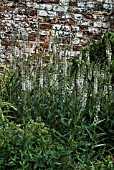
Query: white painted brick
[90, 5]
[16, 18]
[7, 16]
[60, 33]
[107, 6]
[83, 23]
[44, 32]
[69, 53]
[43, 6]
[81, 4]
[2, 36]
[61, 27]
[75, 28]
[87, 23]
[105, 25]
[34, 20]
[66, 28]
[2, 56]
[74, 9]
[10, 4]
[40, 6]
[76, 41]
[82, 41]
[108, 1]
[78, 16]
[19, 16]
[0, 45]
[66, 16]
[29, 4]
[99, 17]
[15, 11]
[42, 13]
[60, 8]
[79, 34]
[56, 26]
[100, 0]
[97, 24]
[29, 30]
[63, 33]
[95, 16]
[93, 30]
[46, 13]
[64, 2]
[66, 33]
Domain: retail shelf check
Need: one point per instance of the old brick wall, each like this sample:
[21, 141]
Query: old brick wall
[29, 25]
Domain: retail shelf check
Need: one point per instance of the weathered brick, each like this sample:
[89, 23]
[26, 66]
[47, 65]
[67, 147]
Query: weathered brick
[33, 12]
[6, 43]
[44, 38]
[61, 21]
[45, 26]
[56, 27]
[44, 13]
[77, 47]
[75, 10]
[46, 32]
[4, 9]
[79, 34]
[52, 20]
[89, 5]
[72, 3]
[75, 28]
[44, 7]
[20, 5]
[44, 45]
[60, 8]
[107, 6]
[65, 47]
[93, 30]
[31, 36]
[65, 40]
[105, 25]
[112, 26]
[81, 4]
[78, 17]
[63, 2]
[71, 21]
[76, 41]
[47, 1]
[97, 24]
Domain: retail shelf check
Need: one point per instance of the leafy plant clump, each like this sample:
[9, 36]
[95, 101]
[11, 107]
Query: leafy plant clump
[66, 123]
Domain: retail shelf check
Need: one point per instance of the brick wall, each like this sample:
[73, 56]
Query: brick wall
[73, 22]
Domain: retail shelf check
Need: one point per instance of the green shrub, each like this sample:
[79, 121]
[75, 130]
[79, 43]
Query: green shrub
[27, 146]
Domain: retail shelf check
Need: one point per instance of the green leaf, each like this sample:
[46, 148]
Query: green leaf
[99, 145]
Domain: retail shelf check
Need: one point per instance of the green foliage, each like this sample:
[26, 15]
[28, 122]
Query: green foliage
[25, 146]
[47, 127]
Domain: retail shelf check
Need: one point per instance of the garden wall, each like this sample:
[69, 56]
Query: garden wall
[27, 26]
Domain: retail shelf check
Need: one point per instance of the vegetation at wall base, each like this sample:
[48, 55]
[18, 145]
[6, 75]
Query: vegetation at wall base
[49, 127]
